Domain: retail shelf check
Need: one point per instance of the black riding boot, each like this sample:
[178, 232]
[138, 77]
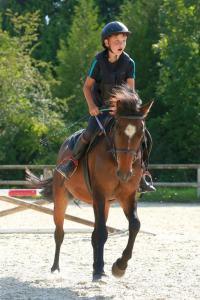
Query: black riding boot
[146, 186]
[67, 169]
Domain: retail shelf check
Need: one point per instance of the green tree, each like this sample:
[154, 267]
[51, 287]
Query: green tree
[55, 21]
[75, 56]
[109, 9]
[141, 17]
[26, 103]
[179, 84]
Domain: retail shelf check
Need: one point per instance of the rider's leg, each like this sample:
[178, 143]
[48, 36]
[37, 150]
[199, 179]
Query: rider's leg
[67, 168]
[146, 186]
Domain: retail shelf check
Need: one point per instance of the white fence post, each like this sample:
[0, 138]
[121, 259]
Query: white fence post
[198, 182]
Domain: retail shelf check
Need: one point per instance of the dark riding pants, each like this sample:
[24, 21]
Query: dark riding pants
[93, 127]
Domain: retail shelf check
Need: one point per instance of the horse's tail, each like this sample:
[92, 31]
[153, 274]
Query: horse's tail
[45, 184]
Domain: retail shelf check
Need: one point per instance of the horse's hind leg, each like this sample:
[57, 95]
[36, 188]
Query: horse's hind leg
[60, 204]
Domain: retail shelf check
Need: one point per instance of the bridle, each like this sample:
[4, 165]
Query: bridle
[110, 141]
[115, 150]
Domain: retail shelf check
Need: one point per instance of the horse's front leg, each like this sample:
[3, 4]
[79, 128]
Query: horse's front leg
[130, 210]
[99, 235]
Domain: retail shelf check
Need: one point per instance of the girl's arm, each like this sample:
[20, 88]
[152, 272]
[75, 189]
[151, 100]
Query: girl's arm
[87, 90]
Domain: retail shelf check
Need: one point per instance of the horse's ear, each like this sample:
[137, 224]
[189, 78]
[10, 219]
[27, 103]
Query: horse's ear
[146, 108]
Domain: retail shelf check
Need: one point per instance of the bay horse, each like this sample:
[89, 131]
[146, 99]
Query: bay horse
[115, 167]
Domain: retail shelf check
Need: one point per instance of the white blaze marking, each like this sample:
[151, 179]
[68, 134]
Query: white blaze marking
[130, 130]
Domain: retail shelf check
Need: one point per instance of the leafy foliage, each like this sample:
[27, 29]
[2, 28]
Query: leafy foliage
[46, 49]
[75, 56]
[141, 17]
[179, 84]
[25, 97]
[109, 9]
[55, 21]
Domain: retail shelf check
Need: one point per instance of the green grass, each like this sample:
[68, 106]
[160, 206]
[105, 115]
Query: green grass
[178, 195]
[163, 194]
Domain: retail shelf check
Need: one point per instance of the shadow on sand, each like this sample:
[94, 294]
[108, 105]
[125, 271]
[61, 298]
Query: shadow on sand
[11, 288]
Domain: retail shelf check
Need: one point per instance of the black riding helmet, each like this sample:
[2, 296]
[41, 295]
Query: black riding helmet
[113, 28]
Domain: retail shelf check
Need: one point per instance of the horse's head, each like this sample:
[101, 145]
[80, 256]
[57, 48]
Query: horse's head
[129, 129]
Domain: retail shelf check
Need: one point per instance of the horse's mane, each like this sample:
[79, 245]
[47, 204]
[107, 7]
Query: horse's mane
[125, 101]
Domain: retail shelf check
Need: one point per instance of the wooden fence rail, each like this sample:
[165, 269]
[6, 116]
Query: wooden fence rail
[47, 169]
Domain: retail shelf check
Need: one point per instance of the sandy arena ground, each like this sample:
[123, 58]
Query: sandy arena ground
[164, 266]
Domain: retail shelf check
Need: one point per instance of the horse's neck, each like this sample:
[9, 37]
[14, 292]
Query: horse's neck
[105, 146]
[104, 141]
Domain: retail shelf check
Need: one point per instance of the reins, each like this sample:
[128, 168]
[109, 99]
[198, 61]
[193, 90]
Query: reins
[108, 140]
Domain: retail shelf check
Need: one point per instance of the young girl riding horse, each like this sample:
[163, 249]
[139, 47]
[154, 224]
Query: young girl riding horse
[110, 68]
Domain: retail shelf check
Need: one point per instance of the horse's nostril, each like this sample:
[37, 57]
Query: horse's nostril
[124, 176]
[118, 173]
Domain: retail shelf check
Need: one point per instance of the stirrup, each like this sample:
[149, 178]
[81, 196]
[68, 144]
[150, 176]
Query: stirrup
[146, 186]
[148, 174]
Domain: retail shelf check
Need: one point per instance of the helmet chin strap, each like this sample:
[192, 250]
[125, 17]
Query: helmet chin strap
[109, 49]
[116, 56]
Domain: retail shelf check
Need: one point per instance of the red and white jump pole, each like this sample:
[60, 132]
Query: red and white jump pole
[20, 192]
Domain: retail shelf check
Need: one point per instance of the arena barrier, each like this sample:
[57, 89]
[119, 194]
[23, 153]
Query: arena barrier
[37, 205]
[7, 195]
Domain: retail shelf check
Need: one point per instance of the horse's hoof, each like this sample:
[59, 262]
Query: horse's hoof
[98, 276]
[54, 268]
[116, 271]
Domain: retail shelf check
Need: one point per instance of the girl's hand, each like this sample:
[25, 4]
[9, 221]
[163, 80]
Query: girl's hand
[94, 110]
